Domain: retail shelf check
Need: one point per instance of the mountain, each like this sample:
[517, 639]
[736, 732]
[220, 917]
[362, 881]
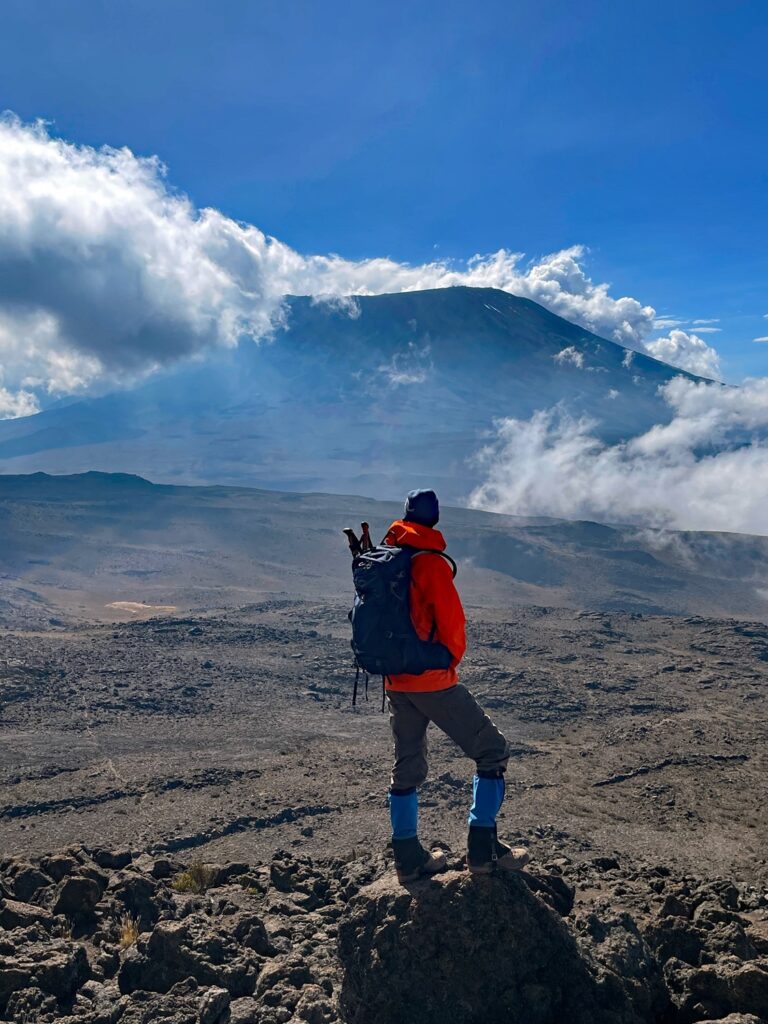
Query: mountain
[374, 396]
[101, 546]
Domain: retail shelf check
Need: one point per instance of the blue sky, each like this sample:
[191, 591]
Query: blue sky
[442, 129]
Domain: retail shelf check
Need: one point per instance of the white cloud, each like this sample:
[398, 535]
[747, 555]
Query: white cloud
[664, 323]
[570, 356]
[410, 366]
[709, 330]
[707, 469]
[18, 403]
[687, 351]
[107, 273]
[346, 304]
[764, 338]
[706, 320]
[32, 354]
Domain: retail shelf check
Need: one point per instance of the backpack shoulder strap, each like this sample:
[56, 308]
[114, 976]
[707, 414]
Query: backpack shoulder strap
[431, 551]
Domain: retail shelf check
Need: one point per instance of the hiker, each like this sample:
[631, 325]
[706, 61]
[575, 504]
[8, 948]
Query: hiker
[434, 694]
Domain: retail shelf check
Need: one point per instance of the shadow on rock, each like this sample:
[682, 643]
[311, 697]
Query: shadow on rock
[459, 950]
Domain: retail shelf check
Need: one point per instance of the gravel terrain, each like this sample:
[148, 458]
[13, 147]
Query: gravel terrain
[232, 736]
[194, 829]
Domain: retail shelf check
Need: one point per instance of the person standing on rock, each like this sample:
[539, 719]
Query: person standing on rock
[436, 695]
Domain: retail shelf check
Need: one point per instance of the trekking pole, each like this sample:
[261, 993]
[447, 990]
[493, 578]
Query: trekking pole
[354, 543]
[366, 544]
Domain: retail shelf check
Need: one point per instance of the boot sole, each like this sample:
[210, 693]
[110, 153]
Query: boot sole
[419, 874]
[414, 876]
[489, 869]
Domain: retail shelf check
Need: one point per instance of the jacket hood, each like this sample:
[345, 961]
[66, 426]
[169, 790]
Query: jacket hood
[414, 535]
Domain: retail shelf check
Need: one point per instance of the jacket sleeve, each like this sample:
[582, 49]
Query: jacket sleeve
[433, 576]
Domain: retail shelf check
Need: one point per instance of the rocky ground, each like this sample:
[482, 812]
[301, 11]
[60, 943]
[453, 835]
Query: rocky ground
[107, 937]
[637, 780]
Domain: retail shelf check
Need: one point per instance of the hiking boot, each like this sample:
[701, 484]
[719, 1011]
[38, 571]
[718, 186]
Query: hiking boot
[485, 853]
[412, 861]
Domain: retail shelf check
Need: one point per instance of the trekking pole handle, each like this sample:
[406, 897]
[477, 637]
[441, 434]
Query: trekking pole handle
[354, 543]
[366, 544]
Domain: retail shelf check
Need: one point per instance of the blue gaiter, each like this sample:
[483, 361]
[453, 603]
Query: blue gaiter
[404, 814]
[487, 798]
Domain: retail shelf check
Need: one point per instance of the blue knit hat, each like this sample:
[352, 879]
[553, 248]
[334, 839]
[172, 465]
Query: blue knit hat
[422, 507]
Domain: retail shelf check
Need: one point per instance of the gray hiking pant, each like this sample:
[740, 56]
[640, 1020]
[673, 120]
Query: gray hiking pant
[460, 717]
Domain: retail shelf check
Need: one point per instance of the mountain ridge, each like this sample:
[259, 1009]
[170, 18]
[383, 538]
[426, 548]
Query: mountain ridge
[86, 547]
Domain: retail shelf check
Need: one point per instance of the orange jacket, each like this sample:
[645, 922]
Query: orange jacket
[434, 602]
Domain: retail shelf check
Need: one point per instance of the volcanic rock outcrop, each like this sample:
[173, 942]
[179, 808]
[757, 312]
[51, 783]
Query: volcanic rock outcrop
[458, 950]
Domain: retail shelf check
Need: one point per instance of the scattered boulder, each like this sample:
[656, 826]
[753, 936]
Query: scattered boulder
[14, 914]
[235, 869]
[555, 892]
[300, 877]
[281, 981]
[250, 931]
[605, 863]
[178, 1006]
[716, 990]
[163, 868]
[111, 860]
[139, 896]
[244, 1011]
[57, 967]
[213, 1005]
[614, 944]
[59, 866]
[314, 1006]
[77, 897]
[26, 881]
[673, 938]
[735, 1018]
[188, 949]
[28, 1004]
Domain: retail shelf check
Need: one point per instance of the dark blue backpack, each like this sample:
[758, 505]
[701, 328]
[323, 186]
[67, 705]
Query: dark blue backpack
[384, 640]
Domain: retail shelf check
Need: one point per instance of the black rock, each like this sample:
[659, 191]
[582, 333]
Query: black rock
[188, 949]
[251, 932]
[58, 967]
[456, 950]
[213, 1005]
[606, 863]
[77, 897]
[139, 897]
[14, 914]
[27, 881]
[111, 860]
[59, 866]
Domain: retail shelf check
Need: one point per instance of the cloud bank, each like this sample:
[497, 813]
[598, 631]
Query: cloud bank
[107, 273]
[687, 351]
[707, 469]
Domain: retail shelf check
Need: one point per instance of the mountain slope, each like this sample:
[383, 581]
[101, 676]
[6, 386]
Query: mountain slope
[73, 546]
[374, 396]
